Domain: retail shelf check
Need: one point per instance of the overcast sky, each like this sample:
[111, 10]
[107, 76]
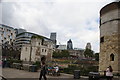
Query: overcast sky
[77, 20]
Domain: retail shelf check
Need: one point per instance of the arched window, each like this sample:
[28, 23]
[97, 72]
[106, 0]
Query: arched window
[112, 57]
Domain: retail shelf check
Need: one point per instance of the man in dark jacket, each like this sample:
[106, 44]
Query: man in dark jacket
[43, 69]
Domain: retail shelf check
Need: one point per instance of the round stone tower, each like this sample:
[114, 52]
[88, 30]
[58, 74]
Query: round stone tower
[110, 37]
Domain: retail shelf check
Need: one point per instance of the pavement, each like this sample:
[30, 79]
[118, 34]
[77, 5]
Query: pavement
[15, 74]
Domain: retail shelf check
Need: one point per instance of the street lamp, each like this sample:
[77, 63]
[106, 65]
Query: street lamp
[30, 52]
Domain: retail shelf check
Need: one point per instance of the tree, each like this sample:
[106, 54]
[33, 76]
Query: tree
[10, 51]
[55, 54]
[97, 56]
[89, 53]
[63, 53]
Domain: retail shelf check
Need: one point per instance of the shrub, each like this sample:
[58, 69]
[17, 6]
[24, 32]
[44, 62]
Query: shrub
[14, 61]
[83, 70]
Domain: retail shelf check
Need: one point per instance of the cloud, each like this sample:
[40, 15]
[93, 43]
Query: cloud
[71, 19]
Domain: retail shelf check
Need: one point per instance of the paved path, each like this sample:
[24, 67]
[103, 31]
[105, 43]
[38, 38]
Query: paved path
[15, 74]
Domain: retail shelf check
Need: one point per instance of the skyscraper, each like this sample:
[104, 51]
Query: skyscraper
[53, 38]
[88, 46]
[69, 45]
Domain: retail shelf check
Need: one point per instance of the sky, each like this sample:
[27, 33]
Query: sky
[77, 20]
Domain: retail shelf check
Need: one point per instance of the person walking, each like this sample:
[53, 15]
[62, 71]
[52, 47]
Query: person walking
[109, 73]
[43, 69]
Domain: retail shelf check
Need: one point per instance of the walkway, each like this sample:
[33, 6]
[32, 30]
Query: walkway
[15, 74]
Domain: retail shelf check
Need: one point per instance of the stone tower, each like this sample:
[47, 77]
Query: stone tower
[110, 37]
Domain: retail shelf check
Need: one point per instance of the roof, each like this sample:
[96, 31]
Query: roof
[6, 26]
[109, 7]
[70, 41]
[34, 35]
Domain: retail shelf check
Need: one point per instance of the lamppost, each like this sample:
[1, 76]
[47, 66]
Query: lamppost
[30, 52]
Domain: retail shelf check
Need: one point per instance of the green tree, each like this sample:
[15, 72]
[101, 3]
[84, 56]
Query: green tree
[89, 53]
[63, 53]
[56, 54]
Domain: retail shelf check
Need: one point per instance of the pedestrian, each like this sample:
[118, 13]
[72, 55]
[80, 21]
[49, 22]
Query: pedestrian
[43, 69]
[56, 68]
[109, 74]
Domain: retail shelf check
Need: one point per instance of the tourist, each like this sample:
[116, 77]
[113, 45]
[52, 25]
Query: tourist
[43, 69]
[109, 73]
[56, 68]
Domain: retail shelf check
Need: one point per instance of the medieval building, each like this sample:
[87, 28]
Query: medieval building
[110, 37]
[40, 46]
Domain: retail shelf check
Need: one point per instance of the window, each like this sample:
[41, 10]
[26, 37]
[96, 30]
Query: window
[39, 43]
[45, 50]
[42, 50]
[101, 39]
[112, 57]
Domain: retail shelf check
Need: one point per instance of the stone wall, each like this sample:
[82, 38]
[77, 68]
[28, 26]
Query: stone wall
[108, 27]
[110, 31]
[108, 47]
[25, 53]
[36, 50]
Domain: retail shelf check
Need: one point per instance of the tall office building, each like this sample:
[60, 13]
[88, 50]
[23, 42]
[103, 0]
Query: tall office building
[7, 34]
[88, 46]
[69, 45]
[53, 38]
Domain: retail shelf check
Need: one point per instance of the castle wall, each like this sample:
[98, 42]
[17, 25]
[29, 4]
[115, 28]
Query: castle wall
[25, 53]
[119, 40]
[36, 50]
[110, 30]
[106, 49]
